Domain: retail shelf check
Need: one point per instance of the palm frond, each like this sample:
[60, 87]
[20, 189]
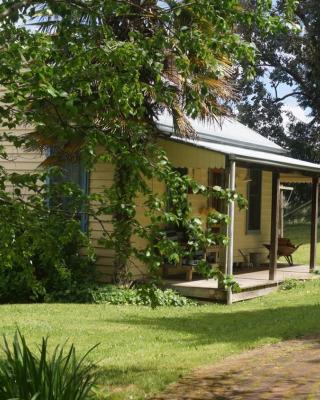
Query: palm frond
[181, 124]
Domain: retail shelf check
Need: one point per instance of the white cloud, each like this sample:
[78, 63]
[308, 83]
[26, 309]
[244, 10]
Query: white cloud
[297, 111]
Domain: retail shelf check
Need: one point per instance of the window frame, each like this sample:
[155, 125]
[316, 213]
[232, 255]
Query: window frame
[257, 195]
[83, 182]
[220, 204]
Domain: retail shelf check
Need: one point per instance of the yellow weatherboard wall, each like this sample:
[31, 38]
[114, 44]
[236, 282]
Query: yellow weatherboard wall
[101, 177]
[189, 155]
[197, 160]
[19, 160]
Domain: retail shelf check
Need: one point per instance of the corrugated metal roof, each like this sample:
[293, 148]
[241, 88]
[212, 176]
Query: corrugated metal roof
[240, 143]
[229, 131]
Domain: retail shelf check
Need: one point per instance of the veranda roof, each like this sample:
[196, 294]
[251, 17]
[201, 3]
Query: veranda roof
[240, 143]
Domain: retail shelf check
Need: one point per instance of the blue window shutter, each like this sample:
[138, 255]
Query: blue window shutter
[77, 173]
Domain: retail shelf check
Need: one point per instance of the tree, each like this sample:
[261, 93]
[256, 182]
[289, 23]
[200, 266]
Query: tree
[96, 74]
[287, 68]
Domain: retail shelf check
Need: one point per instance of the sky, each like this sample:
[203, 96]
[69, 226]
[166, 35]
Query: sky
[290, 103]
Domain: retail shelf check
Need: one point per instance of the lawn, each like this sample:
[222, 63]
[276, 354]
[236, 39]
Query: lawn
[300, 233]
[142, 350]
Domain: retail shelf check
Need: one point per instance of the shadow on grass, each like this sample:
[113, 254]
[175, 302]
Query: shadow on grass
[188, 336]
[241, 327]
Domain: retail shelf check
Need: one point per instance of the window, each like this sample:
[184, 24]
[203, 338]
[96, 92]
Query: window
[181, 170]
[216, 178]
[254, 200]
[74, 171]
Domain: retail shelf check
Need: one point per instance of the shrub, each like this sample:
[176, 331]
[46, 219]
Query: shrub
[27, 376]
[316, 271]
[146, 295]
[41, 240]
[291, 283]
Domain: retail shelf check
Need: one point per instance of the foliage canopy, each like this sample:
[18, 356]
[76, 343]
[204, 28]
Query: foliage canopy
[91, 77]
[287, 69]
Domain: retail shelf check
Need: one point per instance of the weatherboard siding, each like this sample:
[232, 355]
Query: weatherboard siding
[18, 160]
[197, 160]
[191, 156]
[101, 177]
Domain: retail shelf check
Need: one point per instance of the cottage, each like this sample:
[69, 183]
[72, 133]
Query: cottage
[255, 167]
[227, 154]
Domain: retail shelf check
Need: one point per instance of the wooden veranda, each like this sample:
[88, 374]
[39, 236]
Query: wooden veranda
[252, 284]
[267, 278]
[293, 174]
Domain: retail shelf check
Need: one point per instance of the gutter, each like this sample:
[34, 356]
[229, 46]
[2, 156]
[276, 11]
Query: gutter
[276, 164]
[246, 159]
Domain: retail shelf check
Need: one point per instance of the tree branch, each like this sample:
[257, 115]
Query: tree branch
[278, 99]
[177, 7]
[14, 7]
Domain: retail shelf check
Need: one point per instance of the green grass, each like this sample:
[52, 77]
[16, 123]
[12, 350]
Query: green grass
[300, 233]
[142, 349]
